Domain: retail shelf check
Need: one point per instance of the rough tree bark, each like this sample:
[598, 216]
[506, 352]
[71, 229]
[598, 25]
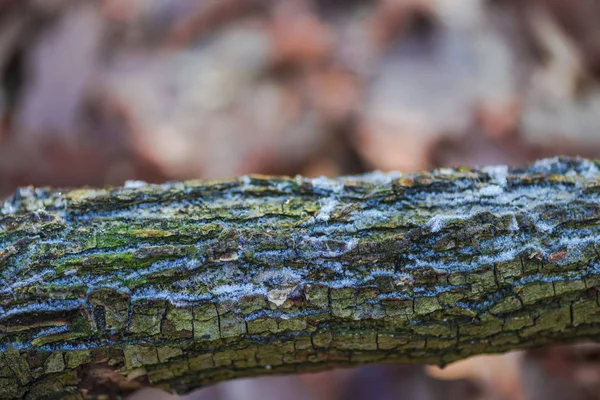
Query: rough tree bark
[186, 284]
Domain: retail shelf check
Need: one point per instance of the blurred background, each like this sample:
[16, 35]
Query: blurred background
[96, 92]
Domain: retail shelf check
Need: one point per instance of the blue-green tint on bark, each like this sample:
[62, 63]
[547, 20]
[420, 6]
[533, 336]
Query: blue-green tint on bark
[185, 284]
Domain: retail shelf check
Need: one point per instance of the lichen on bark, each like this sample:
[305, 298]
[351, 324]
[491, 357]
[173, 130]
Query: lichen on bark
[185, 284]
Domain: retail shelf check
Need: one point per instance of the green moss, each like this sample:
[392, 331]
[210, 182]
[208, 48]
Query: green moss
[5, 371]
[585, 311]
[201, 362]
[456, 278]
[74, 359]
[388, 341]
[81, 324]
[180, 318]
[232, 325]
[205, 312]
[344, 297]
[273, 354]
[549, 320]
[18, 365]
[534, 292]
[394, 308]
[293, 324]
[245, 358]
[451, 298]
[99, 263]
[593, 281]
[78, 198]
[252, 303]
[562, 287]
[322, 338]
[365, 340]
[461, 311]
[531, 266]
[59, 337]
[366, 294]
[179, 368]
[342, 301]
[139, 355]
[506, 305]
[115, 305]
[505, 339]
[165, 353]
[207, 330]
[57, 385]
[146, 317]
[413, 344]
[9, 388]
[150, 233]
[473, 347]
[426, 305]
[434, 329]
[262, 325]
[144, 324]
[484, 326]
[437, 344]
[107, 240]
[361, 357]
[54, 363]
[303, 342]
[317, 295]
[193, 232]
[508, 271]
[224, 358]
[53, 291]
[482, 282]
[159, 375]
[517, 322]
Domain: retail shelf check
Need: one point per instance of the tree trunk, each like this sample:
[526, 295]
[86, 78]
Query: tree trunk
[186, 284]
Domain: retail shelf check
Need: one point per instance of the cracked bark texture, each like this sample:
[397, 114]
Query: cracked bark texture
[186, 284]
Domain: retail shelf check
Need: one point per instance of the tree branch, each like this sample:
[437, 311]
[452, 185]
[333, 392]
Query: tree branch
[186, 284]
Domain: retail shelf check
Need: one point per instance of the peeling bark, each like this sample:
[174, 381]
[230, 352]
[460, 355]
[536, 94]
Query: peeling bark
[186, 284]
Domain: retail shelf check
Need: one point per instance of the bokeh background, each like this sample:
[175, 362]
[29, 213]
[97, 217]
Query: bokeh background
[96, 92]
